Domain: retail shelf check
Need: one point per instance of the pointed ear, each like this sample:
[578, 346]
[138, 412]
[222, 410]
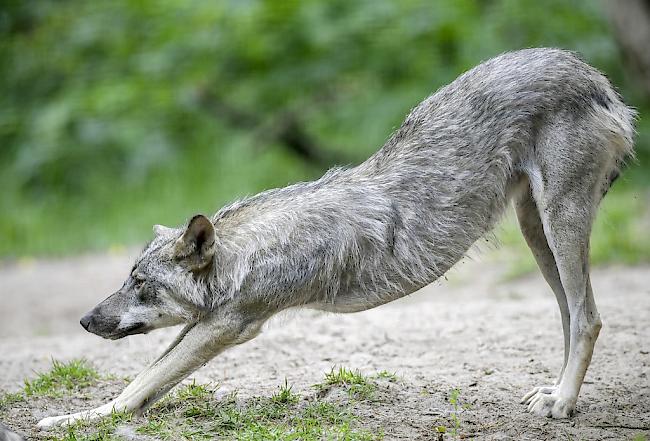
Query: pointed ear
[197, 244]
[159, 230]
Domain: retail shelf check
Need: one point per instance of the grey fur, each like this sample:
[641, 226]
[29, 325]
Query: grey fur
[537, 125]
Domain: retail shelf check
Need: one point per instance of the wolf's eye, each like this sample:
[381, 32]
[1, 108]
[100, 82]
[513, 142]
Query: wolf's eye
[138, 283]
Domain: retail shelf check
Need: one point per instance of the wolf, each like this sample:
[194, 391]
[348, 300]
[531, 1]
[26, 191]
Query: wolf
[538, 127]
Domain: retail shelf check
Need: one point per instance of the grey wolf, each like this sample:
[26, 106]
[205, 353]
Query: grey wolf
[538, 127]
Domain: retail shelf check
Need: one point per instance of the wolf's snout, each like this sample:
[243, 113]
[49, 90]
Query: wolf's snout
[85, 321]
[99, 323]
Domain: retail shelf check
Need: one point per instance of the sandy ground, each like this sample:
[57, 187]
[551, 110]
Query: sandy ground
[494, 340]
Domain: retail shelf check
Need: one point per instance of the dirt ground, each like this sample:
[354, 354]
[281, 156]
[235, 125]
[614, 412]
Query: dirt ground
[493, 340]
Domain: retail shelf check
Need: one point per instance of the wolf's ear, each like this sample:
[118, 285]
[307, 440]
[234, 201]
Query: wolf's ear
[160, 230]
[196, 246]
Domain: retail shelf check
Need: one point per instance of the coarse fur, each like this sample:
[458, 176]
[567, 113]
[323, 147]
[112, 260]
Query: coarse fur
[537, 126]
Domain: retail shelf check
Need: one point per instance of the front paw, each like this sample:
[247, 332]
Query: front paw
[551, 405]
[49, 422]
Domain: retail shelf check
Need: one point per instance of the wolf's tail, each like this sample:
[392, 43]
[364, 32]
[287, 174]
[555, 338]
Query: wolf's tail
[618, 121]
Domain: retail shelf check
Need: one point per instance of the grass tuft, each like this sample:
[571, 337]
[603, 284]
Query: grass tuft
[8, 399]
[285, 395]
[73, 375]
[354, 382]
[391, 377]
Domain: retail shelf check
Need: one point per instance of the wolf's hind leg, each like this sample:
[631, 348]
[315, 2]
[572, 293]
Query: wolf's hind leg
[533, 231]
[567, 206]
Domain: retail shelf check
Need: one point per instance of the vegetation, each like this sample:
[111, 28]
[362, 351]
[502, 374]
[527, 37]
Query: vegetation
[192, 412]
[356, 384]
[118, 115]
[618, 234]
[284, 416]
[9, 399]
[63, 377]
[454, 420]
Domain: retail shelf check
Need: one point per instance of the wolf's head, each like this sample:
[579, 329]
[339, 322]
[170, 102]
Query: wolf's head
[165, 287]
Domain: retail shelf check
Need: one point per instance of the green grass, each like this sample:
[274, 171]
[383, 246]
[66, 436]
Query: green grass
[8, 399]
[97, 430]
[388, 376]
[285, 395]
[62, 380]
[357, 385]
[192, 412]
[70, 376]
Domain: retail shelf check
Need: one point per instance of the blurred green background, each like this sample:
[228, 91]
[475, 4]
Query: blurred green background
[115, 115]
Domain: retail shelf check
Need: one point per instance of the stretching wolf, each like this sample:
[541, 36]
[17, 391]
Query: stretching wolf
[537, 126]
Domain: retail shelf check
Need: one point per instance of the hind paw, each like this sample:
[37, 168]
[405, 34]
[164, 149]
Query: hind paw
[547, 402]
[538, 390]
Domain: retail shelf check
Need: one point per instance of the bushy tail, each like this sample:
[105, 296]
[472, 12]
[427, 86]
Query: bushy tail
[618, 126]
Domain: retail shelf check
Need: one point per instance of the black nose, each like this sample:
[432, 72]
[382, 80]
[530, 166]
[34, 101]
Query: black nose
[85, 321]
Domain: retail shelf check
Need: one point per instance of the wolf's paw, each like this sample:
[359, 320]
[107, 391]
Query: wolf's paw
[49, 422]
[538, 390]
[86, 415]
[547, 402]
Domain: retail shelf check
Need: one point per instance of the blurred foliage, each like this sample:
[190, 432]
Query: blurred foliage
[619, 234]
[117, 115]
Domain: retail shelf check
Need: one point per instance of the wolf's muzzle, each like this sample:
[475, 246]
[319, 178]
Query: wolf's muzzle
[100, 324]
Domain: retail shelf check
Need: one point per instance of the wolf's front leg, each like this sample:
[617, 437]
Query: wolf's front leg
[194, 347]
